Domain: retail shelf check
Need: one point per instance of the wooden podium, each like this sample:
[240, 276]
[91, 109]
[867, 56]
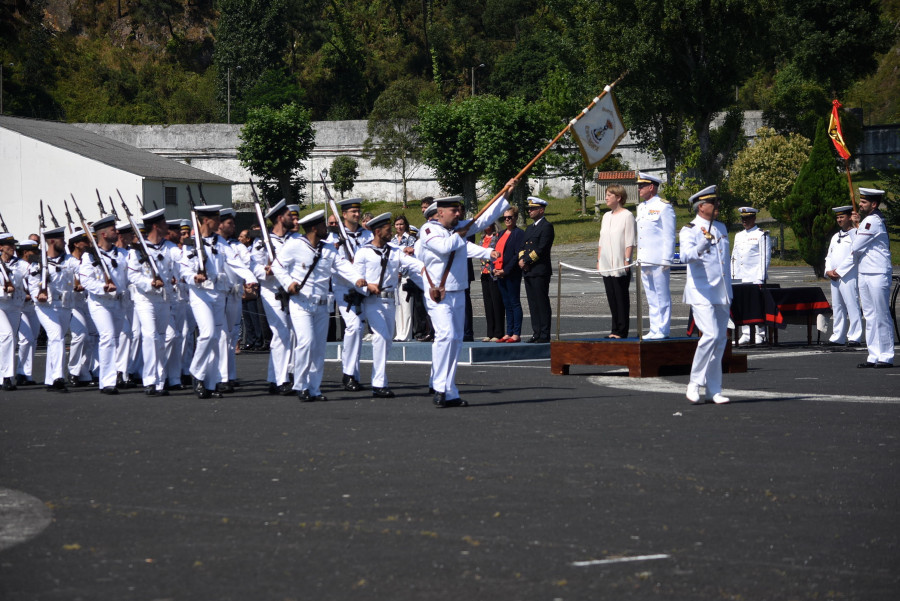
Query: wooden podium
[643, 358]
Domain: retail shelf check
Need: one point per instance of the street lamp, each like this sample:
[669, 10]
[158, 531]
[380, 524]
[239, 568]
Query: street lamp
[473, 77]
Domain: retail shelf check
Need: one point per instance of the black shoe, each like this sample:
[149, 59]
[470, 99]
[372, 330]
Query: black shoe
[285, 389]
[162, 392]
[8, 384]
[430, 391]
[186, 380]
[883, 365]
[133, 381]
[830, 343]
[531, 340]
[456, 403]
[852, 344]
[319, 398]
[350, 383]
[109, 390]
[205, 393]
[273, 388]
[150, 391]
[440, 400]
[542, 341]
[383, 393]
[866, 364]
[303, 396]
[120, 380]
[225, 387]
[20, 380]
[59, 385]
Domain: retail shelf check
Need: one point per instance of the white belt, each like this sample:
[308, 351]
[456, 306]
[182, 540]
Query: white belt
[315, 299]
[386, 294]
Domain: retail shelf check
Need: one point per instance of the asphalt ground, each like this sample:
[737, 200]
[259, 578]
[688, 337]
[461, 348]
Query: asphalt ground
[587, 486]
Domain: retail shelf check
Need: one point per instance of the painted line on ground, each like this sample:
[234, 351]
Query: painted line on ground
[22, 517]
[603, 562]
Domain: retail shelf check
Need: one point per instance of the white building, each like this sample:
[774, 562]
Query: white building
[51, 161]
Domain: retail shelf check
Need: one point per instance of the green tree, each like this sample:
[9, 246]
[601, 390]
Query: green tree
[764, 173]
[344, 171]
[274, 144]
[807, 209]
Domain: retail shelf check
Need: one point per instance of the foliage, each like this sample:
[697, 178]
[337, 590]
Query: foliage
[765, 172]
[275, 143]
[890, 206]
[344, 171]
[807, 209]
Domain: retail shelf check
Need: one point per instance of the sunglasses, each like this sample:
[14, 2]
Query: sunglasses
[508, 218]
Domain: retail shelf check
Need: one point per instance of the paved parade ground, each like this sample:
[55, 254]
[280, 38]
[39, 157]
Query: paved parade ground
[587, 486]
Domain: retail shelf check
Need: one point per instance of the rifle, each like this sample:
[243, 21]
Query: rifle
[99, 203]
[92, 240]
[52, 216]
[198, 237]
[113, 206]
[342, 232]
[270, 250]
[69, 217]
[44, 268]
[6, 272]
[143, 243]
[3, 223]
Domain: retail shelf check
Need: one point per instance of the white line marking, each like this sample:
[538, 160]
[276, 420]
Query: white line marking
[22, 517]
[603, 562]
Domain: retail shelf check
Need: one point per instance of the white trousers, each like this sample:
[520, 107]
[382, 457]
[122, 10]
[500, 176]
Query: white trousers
[846, 315]
[448, 318]
[175, 341]
[154, 319]
[875, 296]
[280, 350]
[379, 314]
[403, 316]
[108, 316]
[353, 335]
[233, 325]
[310, 324]
[189, 339]
[82, 343]
[209, 364]
[126, 339]
[28, 329]
[712, 321]
[10, 315]
[55, 321]
[655, 280]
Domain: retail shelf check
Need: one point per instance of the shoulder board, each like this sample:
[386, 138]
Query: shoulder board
[668, 202]
[689, 224]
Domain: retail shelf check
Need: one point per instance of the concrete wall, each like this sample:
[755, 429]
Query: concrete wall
[880, 148]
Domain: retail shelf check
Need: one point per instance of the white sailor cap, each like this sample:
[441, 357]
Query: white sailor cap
[27, 245]
[57, 232]
[124, 226]
[295, 209]
[448, 201]
[7, 238]
[103, 222]
[173, 222]
[646, 178]
[76, 234]
[185, 224]
[872, 193]
[379, 220]
[153, 216]
[312, 219]
[747, 211]
[534, 202]
[208, 210]
[227, 213]
[350, 203]
[844, 210]
[430, 210]
[707, 194]
[277, 209]
[413, 229]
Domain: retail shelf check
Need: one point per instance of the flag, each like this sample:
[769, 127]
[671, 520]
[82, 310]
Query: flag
[599, 129]
[834, 130]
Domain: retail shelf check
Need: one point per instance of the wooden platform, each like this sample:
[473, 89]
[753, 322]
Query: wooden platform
[643, 358]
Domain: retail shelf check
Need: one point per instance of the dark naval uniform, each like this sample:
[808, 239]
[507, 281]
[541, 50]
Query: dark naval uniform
[536, 273]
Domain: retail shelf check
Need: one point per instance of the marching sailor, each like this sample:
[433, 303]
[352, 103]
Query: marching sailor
[13, 273]
[380, 263]
[847, 327]
[656, 249]
[750, 259]
[83, 342]
[704, 247]
[129, 362]
[305, 266]
[28, 325]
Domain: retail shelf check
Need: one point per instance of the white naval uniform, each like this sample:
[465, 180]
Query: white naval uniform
[28, 329]
[403, 317]
[234, 306]
[83, 341]
[656, 249]
[434, 248]
[11, 304]
[279, 319]
[750, 260]
[106, 309]
[309, 307]
[708, 291]
[153, 308]
[846, 315]
[379, 310]
[178, 306]
[207, 300]
[871, 253]
[55, 313]
[353, 332]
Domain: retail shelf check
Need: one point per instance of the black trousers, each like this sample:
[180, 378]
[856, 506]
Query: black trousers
[494, 312]
[617, 295]
[421, 321]
[537, 290]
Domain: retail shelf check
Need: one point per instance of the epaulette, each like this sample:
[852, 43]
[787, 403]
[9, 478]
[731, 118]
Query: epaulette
[668, 202]
[689, 225]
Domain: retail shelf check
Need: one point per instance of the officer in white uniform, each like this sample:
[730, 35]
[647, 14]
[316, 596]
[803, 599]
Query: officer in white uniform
[871, 253]
[380, 263]
[304, 267]
[274, 298]
[13, 274]
[656, 249]
[209, 283]
[847, 327]
[54, 306]
[750, 260]
[357, 237]
[83, 342]
[105, 297]
[28, 324]
[444, 250]
[704, 248]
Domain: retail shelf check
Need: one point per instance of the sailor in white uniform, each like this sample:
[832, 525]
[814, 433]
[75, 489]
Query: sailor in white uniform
[83, 362]
[13, 274]
[304, 267]
[656, 249]
[750, 260]
[28, 325]
[704, 248]
[53, 306]
[871, 254]
[847, 327]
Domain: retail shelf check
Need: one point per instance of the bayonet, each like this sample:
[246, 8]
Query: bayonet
[198, 237]
[142, 242]
[342, 232]
[91, 239]
[270, 250]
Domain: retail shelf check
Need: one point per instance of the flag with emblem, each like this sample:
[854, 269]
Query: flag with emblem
[599, 129]
[834, 130]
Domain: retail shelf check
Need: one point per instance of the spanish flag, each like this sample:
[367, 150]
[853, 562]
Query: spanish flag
[834, 130]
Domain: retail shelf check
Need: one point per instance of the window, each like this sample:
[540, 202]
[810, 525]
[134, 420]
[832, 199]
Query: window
[171, 196]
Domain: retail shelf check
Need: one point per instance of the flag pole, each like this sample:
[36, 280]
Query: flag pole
[531, 163]
[850, 184]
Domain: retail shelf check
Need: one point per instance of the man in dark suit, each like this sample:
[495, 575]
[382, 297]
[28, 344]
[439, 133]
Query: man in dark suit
[534, 259]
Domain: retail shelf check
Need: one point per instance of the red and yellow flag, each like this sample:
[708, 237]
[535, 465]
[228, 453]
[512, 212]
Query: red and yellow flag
[834, 130]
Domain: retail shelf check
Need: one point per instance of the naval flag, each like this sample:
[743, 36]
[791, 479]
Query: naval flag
[834, 131]
[599, 128]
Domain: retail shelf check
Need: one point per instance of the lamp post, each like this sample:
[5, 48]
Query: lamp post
[473, 77]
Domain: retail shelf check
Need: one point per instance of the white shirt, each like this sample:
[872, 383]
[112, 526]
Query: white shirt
[708, 266]
[871, 249]
[93, 278]
[368, 262]
[259, 258]
[751, 255]
[355, 241]
[223, 267]
[839, 249]
[656, 231]
[298, 255]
